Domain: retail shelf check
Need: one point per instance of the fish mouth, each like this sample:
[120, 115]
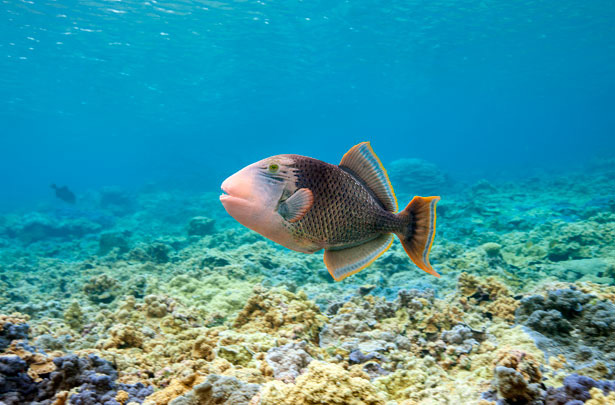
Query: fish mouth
[227, 196]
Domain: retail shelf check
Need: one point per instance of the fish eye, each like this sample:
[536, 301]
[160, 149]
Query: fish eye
[273, 168]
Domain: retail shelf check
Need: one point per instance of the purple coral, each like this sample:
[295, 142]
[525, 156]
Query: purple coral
[575, 390]
[93, 377]
[16, 387]
[10, 332]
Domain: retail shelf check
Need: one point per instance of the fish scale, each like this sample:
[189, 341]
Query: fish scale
[344, 212]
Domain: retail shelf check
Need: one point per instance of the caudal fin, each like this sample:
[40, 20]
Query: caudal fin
[419, 233]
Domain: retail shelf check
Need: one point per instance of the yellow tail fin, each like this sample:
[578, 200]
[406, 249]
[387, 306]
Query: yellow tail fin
[420, 231]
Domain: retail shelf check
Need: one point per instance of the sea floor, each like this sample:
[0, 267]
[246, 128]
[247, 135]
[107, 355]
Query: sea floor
[158, 297]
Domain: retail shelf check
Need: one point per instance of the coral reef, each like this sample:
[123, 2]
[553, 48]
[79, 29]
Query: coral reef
[322, 383]
[288, 361]
[578, 389]
[80, 380]
[574, 324]
[136, 297]
[517, 377]
[219, 390]
[201, 226]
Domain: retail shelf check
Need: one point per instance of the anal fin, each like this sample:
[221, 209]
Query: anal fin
[346, 262]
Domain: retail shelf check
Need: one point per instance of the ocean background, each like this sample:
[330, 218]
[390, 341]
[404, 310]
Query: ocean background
[124, 92]
[142, 108]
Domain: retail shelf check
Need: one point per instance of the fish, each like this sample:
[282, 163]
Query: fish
[64, 194]
[349, 210]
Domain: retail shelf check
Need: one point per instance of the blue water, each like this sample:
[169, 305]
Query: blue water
[124, 92]
[142, 108]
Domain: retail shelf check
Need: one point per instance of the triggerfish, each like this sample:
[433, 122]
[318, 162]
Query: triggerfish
[64, 194]
[349, 210]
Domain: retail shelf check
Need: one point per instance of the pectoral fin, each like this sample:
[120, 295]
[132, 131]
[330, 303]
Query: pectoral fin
[346, 262]
[297, 205]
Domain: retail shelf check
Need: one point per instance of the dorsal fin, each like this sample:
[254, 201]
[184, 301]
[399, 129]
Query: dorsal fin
[361, 161]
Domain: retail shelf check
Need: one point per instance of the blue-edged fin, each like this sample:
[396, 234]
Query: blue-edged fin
[419, 230]
[297, 205]
[346, 262]
[362, 162]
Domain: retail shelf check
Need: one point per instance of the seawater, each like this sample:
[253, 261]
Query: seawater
[146, 291]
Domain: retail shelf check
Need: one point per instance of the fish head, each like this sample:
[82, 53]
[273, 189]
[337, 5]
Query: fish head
[252, 195]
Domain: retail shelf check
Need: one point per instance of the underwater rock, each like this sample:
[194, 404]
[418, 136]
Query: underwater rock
[16, 387]
[123, 336]
[12, 328]
[288, 361]
[492, 249]
[201, 226]
[158, 252]
[357, 356]
[116, 200]
[101, 289]
[113, 240]
[489, 294]
[322, 383]
[414, 299]
[90, 379]
[354, 321]
[576, 390]
[597, 269]
[573, 241]
[235, 354]
[550, 322]
[569, 302]
[37, 227]
[203, 348]
[279, 310]
[50, 343]
[599, 320]
[94, 380]
[171, 306]
[483, 186]
[513, 387]
[73, 316]
[574, 324]
[461, 337]
[156, 306]
[218, 390]
[417, 176]
[517, 378]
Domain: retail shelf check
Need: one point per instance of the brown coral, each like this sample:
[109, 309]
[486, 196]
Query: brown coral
[123, 336]
[176, 388]
[520, 361]
[203, 348]
[323, 383]
[14, 319]
[277, 310]
[489, 294]
[73, 316]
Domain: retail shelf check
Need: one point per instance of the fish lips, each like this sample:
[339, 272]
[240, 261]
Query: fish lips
[229, 199]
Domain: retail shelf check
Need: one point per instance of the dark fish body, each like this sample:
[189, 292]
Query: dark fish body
[64, 194]
[345, 212]
[349, 210]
